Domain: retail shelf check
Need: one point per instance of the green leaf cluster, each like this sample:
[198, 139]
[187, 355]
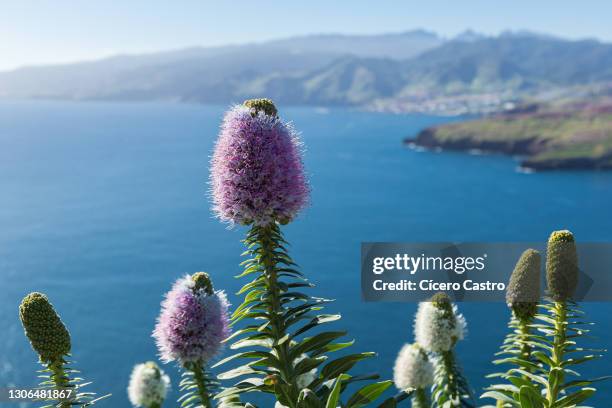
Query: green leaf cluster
[59, 375]
[196, 387]
[547, 376]
[282, 339]
[543, 352]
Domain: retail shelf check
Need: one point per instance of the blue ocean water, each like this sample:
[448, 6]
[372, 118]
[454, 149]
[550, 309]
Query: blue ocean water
[104, 205]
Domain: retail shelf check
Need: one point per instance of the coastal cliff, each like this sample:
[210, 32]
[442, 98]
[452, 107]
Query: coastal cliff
[570, 136]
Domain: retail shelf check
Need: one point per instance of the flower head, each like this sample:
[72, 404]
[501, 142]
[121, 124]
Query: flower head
[412, 368]
[148, 385]
[44, 328]
[561, 265]
[438, 324]
[193, 321]
[257, 176]
[523, 291]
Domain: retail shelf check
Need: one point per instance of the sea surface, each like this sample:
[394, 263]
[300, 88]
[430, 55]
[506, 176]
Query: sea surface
[103, 206]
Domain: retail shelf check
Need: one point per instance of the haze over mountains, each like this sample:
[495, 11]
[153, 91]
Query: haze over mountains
[375, 70]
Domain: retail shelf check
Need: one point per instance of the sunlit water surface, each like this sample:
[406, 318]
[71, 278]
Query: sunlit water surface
[103, 206]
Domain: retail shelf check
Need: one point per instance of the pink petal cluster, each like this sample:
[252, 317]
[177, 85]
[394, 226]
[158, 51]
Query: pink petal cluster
[257, 176]
[192, 323]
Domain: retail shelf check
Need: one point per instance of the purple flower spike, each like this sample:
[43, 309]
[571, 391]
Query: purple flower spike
[257, 176]
[192, 324]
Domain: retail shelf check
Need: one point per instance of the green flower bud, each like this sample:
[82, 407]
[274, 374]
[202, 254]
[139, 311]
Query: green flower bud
[561, 266]
[441, 301]
[523, 291]
[202, 281]
[155, 368]
[263, 104]
[44, 328]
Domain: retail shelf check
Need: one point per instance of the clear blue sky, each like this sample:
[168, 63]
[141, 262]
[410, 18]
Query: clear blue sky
[43, 31]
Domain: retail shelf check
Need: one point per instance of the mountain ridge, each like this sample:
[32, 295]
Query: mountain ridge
[393, 71]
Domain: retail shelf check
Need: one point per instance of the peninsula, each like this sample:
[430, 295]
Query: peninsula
[571, 135]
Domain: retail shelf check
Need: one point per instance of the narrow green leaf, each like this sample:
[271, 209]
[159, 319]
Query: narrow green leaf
[367, 394]
[575, 398]
[316, 342]
[343, 364]
[334, 397]
[529, 398]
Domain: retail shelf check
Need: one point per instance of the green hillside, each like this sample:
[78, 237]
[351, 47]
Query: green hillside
[577, 136]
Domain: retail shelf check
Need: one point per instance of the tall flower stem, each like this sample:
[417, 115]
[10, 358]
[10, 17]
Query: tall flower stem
[268, 238]
[200, 380]
[524, 338]
[448, 371]
[420, 399]
[524, 346]
[450, 387]
[555, 376]
[59, 377]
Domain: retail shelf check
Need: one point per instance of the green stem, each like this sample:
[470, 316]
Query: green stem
[525, 348]
[555, 375]
[59, 377]
[448, 360]
[420, 399]
[268, 246]
[155, 405]
[451, 388]
[200, 380]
